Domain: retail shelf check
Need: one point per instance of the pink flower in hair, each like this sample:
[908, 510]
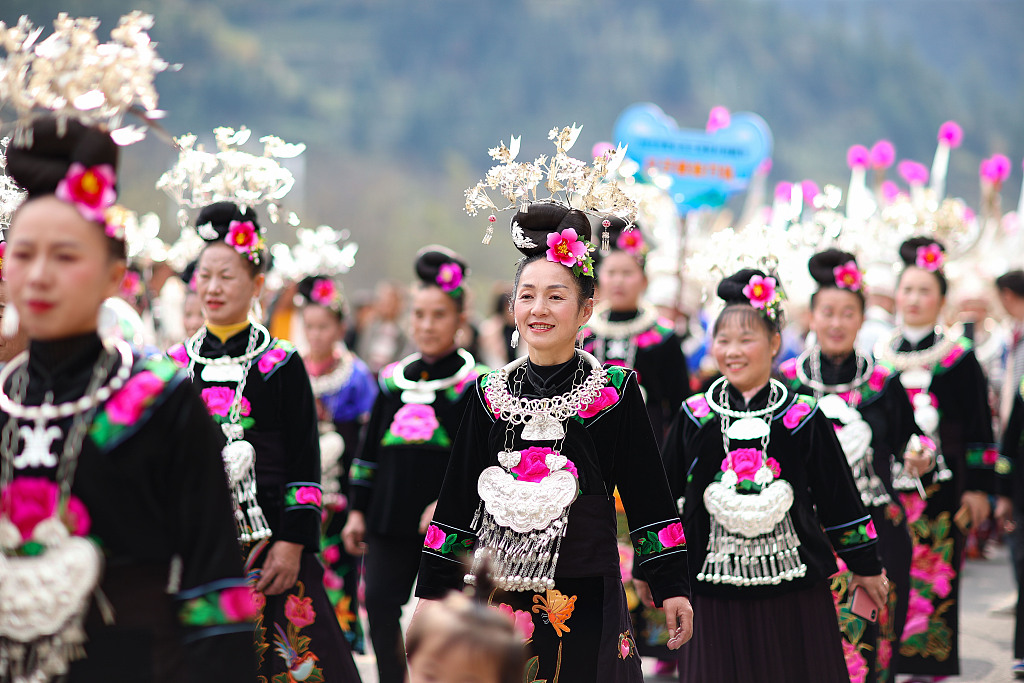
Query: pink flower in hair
[566, 248]
[951, 134]
[913, 172]
[244, 237]
[857, 156]
[760, 291]
[631, 241]
[718, 119]
[323, 292]
[930, 257]
[883, 154]
[91, 190]
[449, 277]
[848, 276]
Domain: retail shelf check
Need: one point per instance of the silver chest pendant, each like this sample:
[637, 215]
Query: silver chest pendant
[222, 373]
[748, 429]
[418, 396]
[543, 427]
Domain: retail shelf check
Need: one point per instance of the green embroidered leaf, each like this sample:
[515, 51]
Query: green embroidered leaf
[315, 676]
[200, 612]
[655, 543]
[282, 678]
[31, 548]
[102, 430]
[449, 541]
[856, 630]
[302, 644]
[531, 670]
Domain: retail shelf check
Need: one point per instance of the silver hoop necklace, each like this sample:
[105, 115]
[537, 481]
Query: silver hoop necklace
[865, 366]
[748, 425]
[424, 391]
[225, 368]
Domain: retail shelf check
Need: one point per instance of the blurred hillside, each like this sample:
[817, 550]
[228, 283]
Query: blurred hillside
[399, 100]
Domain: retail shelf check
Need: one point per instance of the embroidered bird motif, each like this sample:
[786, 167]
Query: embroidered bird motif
[299, 666]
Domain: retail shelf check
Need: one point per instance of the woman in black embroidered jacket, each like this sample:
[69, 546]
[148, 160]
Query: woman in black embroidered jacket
[543, 444]
[767, 497]
[110, 446]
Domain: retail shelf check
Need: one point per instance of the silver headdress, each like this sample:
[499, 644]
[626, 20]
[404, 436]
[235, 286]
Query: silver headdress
[321, 251]
[11, 196]
[200, 178]
[568, 181]
[72, 75]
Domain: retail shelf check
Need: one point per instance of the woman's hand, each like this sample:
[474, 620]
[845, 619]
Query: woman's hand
[643, 592]
[427, 517]
[354, 532]
[918, 464]
[977, 504]
[679, 620]
[876, 586]
[281, 568]
[1004, 514]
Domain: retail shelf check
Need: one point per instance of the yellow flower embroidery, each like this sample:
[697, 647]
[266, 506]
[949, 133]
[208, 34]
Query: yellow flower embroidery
[558, 607]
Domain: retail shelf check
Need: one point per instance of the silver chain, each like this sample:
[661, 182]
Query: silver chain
[517, 381]
[865, 366]
[517, 411]
[76, 434]
[724, 418]
[235, 414]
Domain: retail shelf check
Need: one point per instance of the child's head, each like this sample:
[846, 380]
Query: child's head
[460, 641]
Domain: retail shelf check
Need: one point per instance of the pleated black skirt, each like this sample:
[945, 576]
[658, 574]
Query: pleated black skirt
[791, 637]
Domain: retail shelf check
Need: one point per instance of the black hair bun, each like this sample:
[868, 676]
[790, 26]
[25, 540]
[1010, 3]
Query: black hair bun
[530, 229]
[823, 264]
[1012, 281]
[39, 167]
[219, 217]
[730, 290]
[188, 274]
[441, 267]
[908, 250]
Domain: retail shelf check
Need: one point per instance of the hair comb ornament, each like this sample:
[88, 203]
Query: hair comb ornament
[72, 75]
[573, 183]
[200, 178]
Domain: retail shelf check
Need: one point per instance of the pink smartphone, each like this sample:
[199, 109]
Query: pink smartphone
[863, 606]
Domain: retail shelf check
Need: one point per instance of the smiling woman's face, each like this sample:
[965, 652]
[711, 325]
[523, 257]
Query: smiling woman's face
[547, 311]
[225, 285]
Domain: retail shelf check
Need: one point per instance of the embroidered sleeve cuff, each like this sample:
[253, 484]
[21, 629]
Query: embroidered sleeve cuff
[850, 536]
[225, 606]
[658, 540]
[302, 516]
[361, 472]
[303, 495]
[448, 542]
[982, 456]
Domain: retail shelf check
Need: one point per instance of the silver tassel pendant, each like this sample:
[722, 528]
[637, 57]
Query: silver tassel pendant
[766, 559]
[517, 561]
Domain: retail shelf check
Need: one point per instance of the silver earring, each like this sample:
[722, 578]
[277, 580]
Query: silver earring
[515, 338]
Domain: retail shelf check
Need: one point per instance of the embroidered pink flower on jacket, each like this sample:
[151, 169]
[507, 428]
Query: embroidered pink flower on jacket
[919, 614]
[952, 357]
[760, 291]
[299, 611]
[930, 567]
[323, 292]
[698, 406]
[435, 537]
[218, 401]
[125, 407]
[631, 242]
[930, 257]
[797, 412]
[673, 535]
[608, 396]
[856, 664]
[878, 376]
[913, 506]
[566, 247]
[989, 456]
[238, 604]
[244, 238]
[332, 581]
[27, 501]
[91, 190]
[848, 276]
[269, 359]
[533, 464]
[745, 462]
[648, 338]
[774, 466]
[332, 554]
[178, 354]
[522, 620]
[415, 422]
[308, 495]
[449, 277]
[870, 529]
